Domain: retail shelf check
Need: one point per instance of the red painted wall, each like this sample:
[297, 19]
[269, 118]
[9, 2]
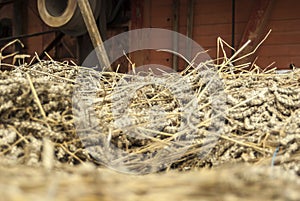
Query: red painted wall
[212, 19]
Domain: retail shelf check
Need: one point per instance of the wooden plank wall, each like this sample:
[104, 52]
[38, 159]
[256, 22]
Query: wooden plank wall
[33, 24]
[283, 45]
[212, 19]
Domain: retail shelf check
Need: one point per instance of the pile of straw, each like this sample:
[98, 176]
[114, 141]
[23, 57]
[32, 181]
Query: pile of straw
[256, 119]
[54, 114]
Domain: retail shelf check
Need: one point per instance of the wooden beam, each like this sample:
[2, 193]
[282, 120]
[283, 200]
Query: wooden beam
[190, 26]
[256, 26]
[233, 3]
[18, 21]
[139, 58]
[137, 7]
[53, 43]
[95, 36]
[176, 11]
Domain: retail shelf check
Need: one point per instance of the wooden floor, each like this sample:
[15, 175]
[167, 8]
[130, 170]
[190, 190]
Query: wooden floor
[87, 183]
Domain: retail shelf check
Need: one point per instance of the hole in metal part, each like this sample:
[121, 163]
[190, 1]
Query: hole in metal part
[56, 7]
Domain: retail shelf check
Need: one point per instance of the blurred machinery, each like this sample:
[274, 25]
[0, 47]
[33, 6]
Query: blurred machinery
[66, 16]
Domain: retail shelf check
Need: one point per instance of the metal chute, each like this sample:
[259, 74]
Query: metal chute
[65, 15]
